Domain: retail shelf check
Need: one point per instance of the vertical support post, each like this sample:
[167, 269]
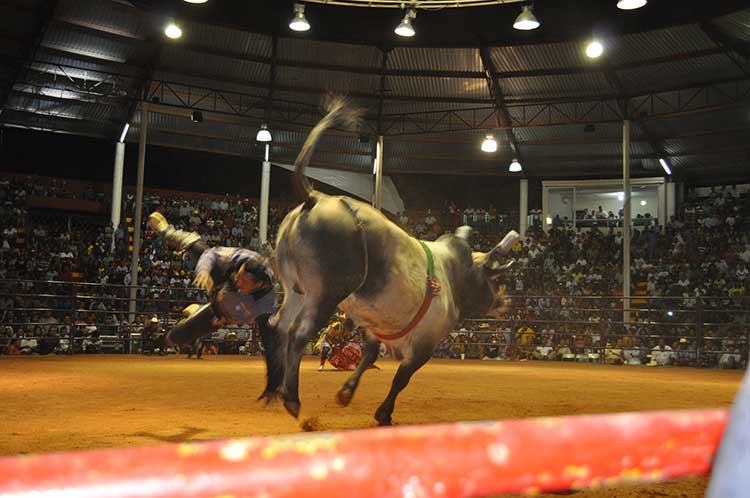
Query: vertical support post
[626, 222]
[523, 206]
[699, 332]
[117, 189]
[545, 208]
[265, 184]
[138, 213]
[377, 198]
[671, 203]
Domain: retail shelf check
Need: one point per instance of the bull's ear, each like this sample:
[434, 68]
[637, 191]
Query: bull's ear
[505, 245]
[464, 232]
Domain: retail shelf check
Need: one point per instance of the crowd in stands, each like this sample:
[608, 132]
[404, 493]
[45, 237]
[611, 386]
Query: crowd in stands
[694, 271]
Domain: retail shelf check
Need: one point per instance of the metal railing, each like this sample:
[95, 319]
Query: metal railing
[700, 331]
[79, 317]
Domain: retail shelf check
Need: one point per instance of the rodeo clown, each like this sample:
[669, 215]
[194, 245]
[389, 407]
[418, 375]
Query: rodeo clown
[337, 345]
[239, 284]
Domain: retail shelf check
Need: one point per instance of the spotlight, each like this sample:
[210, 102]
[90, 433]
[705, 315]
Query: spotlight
[631, 4]
[526, 19]
[589, 128]
[594, 49]
[155, 100]
[196, 117]
[670, 313]
[643, 203]
[665, 166]
[620, 197]
[196, 1]
[489, 144]
[515, 166]
[405, 28]
[263, 134]
[298, 22]
[172, 31]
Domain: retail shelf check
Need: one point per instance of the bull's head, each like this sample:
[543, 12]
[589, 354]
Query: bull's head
[486, 295]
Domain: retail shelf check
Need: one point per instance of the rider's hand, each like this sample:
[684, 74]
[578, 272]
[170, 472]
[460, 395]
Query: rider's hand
[204, 281]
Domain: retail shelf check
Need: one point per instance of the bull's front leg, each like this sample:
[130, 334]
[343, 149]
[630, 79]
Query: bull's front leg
[346, 393]
[405, 370]
[274, 347]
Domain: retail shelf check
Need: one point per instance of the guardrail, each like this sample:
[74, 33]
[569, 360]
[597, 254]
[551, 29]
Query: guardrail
[79, 317]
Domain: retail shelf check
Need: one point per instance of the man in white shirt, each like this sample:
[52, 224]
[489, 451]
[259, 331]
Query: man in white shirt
[662, 354]
[403, 220]
[429, 219]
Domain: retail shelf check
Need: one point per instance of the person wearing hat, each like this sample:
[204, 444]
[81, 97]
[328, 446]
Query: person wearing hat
[152, 337]
[683, 355]
[239, 283]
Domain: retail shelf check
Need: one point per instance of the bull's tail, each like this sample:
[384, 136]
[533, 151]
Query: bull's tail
[338, 112]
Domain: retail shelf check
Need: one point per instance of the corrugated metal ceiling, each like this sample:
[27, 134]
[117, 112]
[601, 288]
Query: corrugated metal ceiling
[90, 40]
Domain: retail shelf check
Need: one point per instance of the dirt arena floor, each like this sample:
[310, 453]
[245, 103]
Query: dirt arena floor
[69, 403]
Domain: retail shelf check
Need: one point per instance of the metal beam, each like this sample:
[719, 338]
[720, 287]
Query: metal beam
[658, 105]
[411, 98]
[502, 115]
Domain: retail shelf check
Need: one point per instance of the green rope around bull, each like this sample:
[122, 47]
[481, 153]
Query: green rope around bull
[430, 262]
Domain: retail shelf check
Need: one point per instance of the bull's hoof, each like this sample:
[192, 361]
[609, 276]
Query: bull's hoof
[268, 396]
[344, 396]
[383, 418]
[292, 407]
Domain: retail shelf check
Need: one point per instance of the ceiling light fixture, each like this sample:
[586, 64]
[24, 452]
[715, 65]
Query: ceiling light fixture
[299, 22]
[489, 144]
[196, 117]
[594, 49]
[665, 166]
[172, 31]
[515, 166]
[406, 29]
[526, 20]
[196, 1]
[631, 4]
[643, 203]
[263, 134]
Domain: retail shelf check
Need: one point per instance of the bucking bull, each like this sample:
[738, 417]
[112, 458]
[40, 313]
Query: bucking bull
[336, 252]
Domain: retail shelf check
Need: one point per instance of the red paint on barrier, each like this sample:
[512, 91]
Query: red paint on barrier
[446, 460]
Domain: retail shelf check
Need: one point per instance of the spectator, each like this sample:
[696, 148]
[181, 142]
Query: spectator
[661, 354]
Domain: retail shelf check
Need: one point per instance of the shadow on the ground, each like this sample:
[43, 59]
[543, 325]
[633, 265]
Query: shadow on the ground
[187, 434]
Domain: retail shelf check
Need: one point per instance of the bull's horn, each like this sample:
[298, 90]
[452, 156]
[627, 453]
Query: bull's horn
[464, 232]
[508, 241]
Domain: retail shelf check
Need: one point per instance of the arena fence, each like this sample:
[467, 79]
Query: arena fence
[77, 317]
[448, 460]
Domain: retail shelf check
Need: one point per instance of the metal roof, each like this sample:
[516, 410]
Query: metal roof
[86, 67]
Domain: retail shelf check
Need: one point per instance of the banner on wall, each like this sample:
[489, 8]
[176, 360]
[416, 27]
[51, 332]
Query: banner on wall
[358, 184]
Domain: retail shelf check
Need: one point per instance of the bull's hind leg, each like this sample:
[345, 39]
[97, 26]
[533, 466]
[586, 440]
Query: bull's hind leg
[405, 370]
[274, 337]
[370, 354]
[312, 318]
